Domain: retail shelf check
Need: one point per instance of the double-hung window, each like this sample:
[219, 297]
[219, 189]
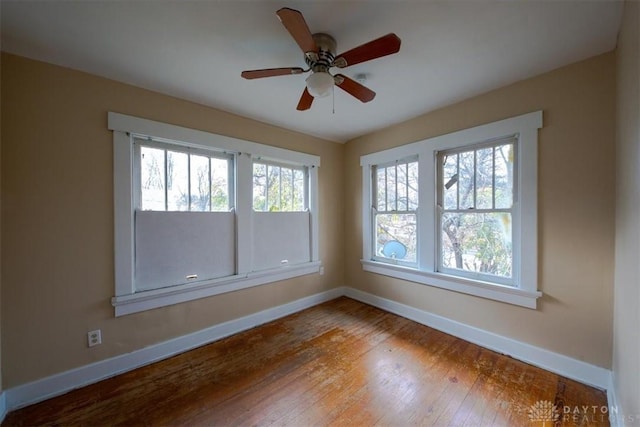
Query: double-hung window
[281, 215]
[475, 211]
[394, 212]
[458, 211]
[199, 214]
[184, 200]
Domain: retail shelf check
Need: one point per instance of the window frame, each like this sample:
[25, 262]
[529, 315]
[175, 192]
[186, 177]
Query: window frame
[524, 291]
[125, 130]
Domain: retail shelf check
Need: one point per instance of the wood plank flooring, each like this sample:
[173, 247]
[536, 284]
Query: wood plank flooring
[339, 363]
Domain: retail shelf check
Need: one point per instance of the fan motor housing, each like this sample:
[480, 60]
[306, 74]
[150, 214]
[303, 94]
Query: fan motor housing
[321, 61]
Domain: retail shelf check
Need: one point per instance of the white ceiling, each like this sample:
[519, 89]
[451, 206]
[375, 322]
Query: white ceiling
[195, 50]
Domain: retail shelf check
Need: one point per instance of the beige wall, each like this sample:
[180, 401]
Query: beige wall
[576, 211]
[57, 220]
[626, 344]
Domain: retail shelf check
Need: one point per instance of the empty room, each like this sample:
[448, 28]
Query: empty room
[320, 213]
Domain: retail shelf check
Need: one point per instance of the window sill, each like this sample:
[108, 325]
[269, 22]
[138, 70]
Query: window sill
[492, 291]
[147, 300]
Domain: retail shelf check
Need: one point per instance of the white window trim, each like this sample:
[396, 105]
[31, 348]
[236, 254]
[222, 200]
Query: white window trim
[125, 128]
[525, 211]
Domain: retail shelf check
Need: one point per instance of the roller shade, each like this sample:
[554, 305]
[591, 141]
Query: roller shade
[180, 247]
[279, 236]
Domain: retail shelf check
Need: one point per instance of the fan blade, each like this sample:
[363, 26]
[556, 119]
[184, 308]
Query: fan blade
[383, 46]
[354, 88]
[270, 72]
[305, 101]
[294, 22]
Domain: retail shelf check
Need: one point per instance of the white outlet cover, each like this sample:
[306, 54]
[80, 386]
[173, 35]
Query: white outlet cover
[94, 338]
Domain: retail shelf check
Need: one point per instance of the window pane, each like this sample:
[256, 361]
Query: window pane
[466, 186]
[504, 176]
[273, 188]
[152, 179]
[298, 190]
[450, 181]
[413, 186]
[286, 189]
[382, 189]
[259, 187]
[401, 178]
[219, 184]
[477, 242]
[397, 187]
[484, 178]
[391, 188]
[200, 188]
[178, 181]
[278, 189]
[396, 236]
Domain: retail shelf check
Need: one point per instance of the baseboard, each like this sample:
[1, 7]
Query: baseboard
[3, 406]
[54, 385]
[617, 418]
[554, 362]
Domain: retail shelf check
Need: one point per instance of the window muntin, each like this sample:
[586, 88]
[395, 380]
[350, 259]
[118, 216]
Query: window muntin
[475, 211]
[174, 178]
[395, 225]
[279, 188]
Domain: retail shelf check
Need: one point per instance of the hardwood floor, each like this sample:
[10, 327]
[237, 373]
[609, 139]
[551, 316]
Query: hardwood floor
[339, 363]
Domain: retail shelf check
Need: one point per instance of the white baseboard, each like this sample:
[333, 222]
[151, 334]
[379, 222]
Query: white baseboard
[554, 362]
[612, 398]
[54, 385]
[3, 406]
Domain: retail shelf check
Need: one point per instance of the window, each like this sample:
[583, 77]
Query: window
[182, 198]
[394, 212]
[457, 211]
[475, 211]
[281, 218]
[185, 224]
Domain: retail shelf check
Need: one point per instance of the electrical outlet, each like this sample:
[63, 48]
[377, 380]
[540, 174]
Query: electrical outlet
[322, 270]
[94, 338]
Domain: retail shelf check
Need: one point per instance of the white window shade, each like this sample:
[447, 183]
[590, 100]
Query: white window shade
[179, 247]
[280, 238]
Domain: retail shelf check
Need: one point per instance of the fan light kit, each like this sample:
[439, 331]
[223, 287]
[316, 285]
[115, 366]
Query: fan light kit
[320, 56]
[319, 84]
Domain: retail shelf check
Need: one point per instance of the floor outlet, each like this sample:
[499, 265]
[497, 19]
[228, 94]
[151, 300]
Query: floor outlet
[94, 338]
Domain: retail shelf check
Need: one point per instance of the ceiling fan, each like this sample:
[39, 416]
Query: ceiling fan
[320, 55]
